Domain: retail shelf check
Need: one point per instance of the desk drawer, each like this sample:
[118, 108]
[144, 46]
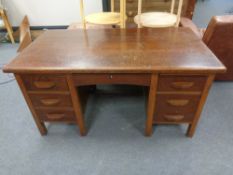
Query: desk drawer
[51, 100]
[181, 83]
[176, 108]
[51, 115]
[129, 79]
[45, 82]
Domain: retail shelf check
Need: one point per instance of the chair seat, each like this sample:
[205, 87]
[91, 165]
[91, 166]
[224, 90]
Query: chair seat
[105, 18]
[156, 19]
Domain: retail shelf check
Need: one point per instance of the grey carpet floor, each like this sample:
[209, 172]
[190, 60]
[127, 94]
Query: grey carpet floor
[115, 143]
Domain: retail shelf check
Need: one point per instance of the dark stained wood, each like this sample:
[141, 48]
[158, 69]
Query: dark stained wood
[25, 34]
[151, 104]
[192, 127]
[77, 105]
[39, 123]
[173, 62]
[169, 50]
[50, 100]
[170, 108]
[181, 83]
[45, 82]
[129, 79]
[58, 115]
[190, 8]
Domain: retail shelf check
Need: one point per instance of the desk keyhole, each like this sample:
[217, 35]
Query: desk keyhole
[110, 77]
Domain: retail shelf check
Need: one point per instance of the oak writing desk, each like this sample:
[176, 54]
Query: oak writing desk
[176, 66]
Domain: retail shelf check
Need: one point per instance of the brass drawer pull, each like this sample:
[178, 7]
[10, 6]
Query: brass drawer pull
[50, 102]
[178, 102]
[130, 13]
[44, 84]
[182, 85]
[55, 116]
[174, 118]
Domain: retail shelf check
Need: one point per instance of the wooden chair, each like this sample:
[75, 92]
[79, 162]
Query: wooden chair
[159, 19]
[105, 18]
[24, 34]
[4, 22]
[218, 37]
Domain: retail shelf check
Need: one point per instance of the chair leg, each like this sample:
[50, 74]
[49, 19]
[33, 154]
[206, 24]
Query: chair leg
[8, 27]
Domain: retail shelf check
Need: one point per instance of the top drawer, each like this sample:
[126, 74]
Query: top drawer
[181, 83]
[45, 82]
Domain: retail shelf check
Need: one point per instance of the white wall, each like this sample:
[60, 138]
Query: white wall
[63, 12]
[48, 12]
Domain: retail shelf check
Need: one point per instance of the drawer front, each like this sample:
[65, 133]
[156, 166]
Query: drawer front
[45, 82]
[176, 108]
[50, 100]
[56, 115]
[181, 83]
[129, 79]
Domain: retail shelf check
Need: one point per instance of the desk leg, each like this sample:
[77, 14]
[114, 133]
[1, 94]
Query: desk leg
[77, 105]
[40, 125]
[192, 127]
[151, 104]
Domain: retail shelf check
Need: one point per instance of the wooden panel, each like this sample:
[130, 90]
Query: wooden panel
[51, 115]
[170, 108]
[45, 82]
[48, 100]
[75, 97]
[151, 104]
[129, 79]
[181, 83]
[192, 127]
[40, 125]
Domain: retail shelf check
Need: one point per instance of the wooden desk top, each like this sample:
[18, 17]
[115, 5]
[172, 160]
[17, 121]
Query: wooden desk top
[169, 50]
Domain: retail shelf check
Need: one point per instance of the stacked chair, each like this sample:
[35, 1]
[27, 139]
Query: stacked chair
[104, 18]
[159, 19]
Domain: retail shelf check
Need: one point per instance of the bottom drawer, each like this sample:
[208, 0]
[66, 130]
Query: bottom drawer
[56, 115]
[170, 117]
[176, 108]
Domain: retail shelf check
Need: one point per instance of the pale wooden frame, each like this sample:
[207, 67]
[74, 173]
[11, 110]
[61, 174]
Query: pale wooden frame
[122, 12]
[171, 11]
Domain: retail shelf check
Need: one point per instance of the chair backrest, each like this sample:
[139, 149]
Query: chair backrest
[122, 11]
[219, 38]
[172, 9]
[24, 34]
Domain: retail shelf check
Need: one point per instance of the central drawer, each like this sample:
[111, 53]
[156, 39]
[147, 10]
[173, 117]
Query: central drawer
[128, 79]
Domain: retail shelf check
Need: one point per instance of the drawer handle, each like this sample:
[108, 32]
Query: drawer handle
[174, 118]
[50, 102]
[55, 116]
[182, 85]
[178, 102]
[44, 84]
[130, 14]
